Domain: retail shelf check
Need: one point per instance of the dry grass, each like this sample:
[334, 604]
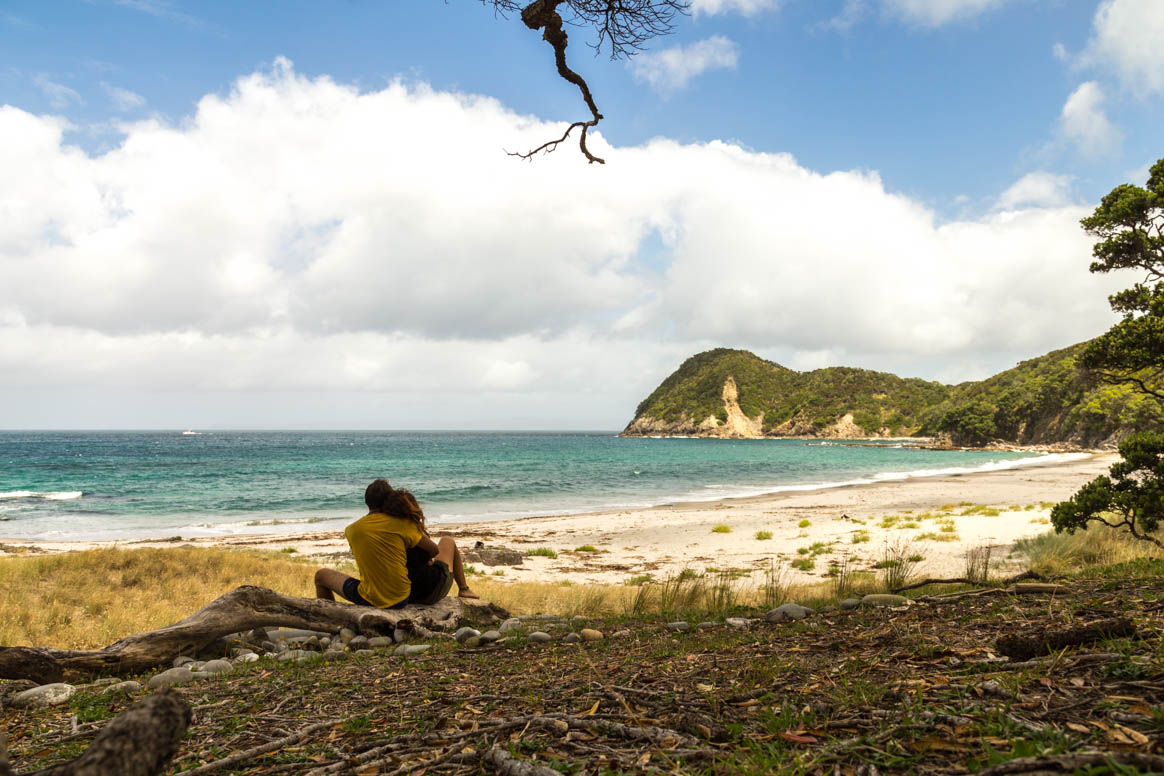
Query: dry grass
[88, 599]
[1066, 554]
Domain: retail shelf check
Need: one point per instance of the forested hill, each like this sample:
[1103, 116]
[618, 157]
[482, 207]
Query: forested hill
[1043, 401]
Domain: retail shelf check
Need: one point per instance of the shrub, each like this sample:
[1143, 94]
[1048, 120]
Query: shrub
[586, 548]
[544, 552]
[860, 537]
[896, 565]
[721, 528]
[804, 523]
[803, 564]
[762, 535]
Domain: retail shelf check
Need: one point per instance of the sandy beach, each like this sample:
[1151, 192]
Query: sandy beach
[939, 517]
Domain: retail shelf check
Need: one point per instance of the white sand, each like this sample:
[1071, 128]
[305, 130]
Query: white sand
[664, 540]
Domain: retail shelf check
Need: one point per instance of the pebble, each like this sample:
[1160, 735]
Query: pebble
[173, 676]
[358, 642]
[249, 657]
[738, 622]
[489, 636]
[380, 641]
[589, 634]
[706, 624]
[325, 642]
[105, 681]
[851, 603]
[268, 646]
[124, 688]
[620, 634]
[259, 635]
[991, 687]
[284, 634]
[365, 653]
[217, 667]
[884, 599]
[400, 635]
[299, 656]
[466, 633]
[540, 637]
[472, 641]
[571, 638]
[46, 695]
[512, 625]
[237, 651]
[788, 612]
[953, 662]
[678, 626]
[336, 653]
[182, 660]
[346, 635]
[196, 665]
[410, 650]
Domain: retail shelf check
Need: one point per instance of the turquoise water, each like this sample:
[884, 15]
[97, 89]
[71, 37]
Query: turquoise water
[120, 485]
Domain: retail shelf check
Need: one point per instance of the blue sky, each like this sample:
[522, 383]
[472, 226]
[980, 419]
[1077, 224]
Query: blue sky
[944, 149]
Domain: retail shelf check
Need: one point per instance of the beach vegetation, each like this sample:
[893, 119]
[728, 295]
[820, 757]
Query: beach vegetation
[541, 552]
[587, 548]
[888, 521]
[980, 509]
[1082, 552]
[860, 537]
[498, 572]
[722, 529]
[930, 536]
[896, 564]
[763, 535]
[977, 563]
[804, 523]
[289, 550]
[915, 558]
[775, 586]
[803, 564]
[638, 579]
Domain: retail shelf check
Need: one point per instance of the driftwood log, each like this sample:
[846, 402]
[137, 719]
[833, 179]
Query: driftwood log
[1046, 641]
[138, 742]
[239, 610]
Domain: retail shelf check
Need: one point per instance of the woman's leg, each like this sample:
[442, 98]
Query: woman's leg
[451, 555]
[328, 582]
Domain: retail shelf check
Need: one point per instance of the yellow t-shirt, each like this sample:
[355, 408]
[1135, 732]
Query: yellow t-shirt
[379, 544]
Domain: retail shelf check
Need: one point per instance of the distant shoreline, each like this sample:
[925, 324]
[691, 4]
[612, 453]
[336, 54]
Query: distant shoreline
[665, 539]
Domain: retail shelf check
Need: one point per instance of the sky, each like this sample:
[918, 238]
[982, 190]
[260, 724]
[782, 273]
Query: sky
[303, 214]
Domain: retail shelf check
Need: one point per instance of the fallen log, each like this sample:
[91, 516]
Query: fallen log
[138, 742]
[1046, 641]
[248, 607]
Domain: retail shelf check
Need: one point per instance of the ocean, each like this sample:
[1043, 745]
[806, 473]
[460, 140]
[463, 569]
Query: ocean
[145, 484]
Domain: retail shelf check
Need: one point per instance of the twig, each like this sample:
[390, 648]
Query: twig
[1068, 763]
[507, 765]
[273, 746]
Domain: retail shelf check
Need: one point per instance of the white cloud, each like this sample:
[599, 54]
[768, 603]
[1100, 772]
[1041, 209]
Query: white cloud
[1126, 37]
[669, 70]
[1037, 189]
[58, 95]
[935, 13]
[1059, 51]
[298, 236]
[1084, 123]
[745, 7]
[123, 99]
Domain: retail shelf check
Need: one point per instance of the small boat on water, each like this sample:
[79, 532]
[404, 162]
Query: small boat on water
[191, 432]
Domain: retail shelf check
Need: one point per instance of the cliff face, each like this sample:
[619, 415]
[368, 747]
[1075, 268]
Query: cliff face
[735, 394]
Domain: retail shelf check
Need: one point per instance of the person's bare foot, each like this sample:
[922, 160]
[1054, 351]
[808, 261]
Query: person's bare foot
[465, 592]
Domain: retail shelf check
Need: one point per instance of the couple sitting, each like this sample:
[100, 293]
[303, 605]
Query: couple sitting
[399, 562]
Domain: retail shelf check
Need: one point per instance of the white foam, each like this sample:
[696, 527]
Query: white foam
[60, 495]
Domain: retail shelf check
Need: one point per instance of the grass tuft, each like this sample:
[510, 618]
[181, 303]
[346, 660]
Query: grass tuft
[763, 535]
[721, 528]
[543, 552]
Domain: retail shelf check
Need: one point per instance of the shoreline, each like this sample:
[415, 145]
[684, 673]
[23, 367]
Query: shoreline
[663, 540]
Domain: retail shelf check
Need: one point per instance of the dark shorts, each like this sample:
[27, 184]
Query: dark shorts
[430, 582]
[352, 592]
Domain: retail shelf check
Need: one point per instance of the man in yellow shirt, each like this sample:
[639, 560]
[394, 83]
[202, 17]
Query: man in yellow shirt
[391, 575]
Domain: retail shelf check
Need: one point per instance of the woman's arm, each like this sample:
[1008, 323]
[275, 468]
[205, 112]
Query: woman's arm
[428, 545]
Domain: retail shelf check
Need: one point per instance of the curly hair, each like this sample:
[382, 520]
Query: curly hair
[381, 497]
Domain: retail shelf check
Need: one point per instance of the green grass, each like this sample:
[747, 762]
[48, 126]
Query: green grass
[930, 536]
[860, 537]
[721, 528]
[587, 548]
[803, 564]
[542, 552]
[763, 535]
[804, 523]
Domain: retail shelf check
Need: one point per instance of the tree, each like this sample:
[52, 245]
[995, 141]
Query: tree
[1132, 498]
[1129, 223]
[623, 28]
